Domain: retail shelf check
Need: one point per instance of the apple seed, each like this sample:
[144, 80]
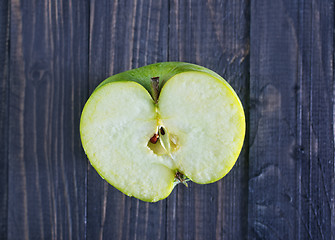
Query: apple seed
[165, 140]
[154, 138]
[162, 131]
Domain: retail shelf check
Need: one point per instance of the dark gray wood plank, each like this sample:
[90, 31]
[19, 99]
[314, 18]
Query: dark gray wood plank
[315, 131]
[124, 35]
[48, 87]
[4, 100]
[214, 34]
[291, 186]
[273, 78]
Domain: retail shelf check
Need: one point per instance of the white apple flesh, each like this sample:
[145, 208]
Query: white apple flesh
[198, 121]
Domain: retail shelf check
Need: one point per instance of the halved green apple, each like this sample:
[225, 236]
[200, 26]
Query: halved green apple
[147, 129]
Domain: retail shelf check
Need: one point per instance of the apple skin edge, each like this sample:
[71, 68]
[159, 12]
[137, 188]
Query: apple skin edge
[164, 71]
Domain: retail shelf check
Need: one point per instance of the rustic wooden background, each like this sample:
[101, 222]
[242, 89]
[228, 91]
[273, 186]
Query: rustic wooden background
[278, 56]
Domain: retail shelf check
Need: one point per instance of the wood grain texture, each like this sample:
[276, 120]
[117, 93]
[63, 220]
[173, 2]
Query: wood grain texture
[54, 53]
[4, 101]
[124, 35]
[315, 132]
[291, 185]
[213, 34]
[48, 87]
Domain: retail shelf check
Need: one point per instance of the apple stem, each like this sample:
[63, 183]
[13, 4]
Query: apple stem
[155, 88]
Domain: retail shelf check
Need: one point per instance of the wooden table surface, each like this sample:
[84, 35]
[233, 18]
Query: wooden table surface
[277, 55]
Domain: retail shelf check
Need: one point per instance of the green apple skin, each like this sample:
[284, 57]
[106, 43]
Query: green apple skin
[165, 71]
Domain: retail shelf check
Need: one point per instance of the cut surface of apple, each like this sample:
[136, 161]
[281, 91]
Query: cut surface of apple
[144, 146]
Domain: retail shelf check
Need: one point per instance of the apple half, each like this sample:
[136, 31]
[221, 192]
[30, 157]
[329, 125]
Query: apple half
[147, 129]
